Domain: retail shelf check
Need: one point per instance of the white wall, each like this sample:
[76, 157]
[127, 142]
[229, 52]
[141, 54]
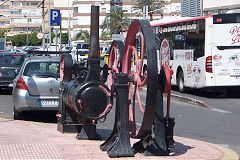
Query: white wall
[219, 3]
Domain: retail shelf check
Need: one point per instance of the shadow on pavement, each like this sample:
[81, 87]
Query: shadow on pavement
[179, 149]
[40, 116]
[5, 91]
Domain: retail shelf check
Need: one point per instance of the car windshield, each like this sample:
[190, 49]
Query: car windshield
[68, 48]
[11, 60]
[42, 69]
[85, 46]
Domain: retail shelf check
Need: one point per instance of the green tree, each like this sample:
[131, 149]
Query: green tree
[152, 5]
[116, 21]
[19, 40]
[105, 35]
[83, 35]
[2, 32]
[64, 38]
[33, 40]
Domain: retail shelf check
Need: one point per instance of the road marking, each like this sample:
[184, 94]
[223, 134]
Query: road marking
[224, 145]
[220, 110]
[4, 105]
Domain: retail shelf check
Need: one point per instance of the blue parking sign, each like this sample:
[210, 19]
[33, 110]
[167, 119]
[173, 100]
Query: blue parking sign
[55, 17]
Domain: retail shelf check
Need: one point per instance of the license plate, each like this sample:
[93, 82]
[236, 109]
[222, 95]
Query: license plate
[48, 102]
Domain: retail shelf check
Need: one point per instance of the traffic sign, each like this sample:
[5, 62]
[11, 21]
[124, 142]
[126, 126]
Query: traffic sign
[40, 35]
[55, 17]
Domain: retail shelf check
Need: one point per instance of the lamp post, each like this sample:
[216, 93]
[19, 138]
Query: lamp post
[69, 34]
[49, 22]
[25, 15]
[5, 40]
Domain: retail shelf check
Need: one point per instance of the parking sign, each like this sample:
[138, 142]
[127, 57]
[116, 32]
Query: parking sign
[55, 17]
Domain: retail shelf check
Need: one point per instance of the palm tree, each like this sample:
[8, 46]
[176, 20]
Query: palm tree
[152, 5]
[115, 21]
[83, 35]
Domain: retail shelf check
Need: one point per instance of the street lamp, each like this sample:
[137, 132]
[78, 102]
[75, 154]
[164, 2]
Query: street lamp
[28, 23]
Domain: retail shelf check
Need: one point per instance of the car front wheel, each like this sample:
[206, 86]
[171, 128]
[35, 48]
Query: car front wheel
[181, 86]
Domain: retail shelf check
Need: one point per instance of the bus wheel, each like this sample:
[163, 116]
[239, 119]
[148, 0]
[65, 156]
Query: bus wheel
[181, 86]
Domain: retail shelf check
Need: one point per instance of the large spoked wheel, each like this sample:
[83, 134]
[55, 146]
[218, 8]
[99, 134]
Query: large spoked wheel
[142, 104]
[66, 63]
[115, 61]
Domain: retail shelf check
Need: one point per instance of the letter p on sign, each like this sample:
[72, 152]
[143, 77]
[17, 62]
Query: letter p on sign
[54, 15]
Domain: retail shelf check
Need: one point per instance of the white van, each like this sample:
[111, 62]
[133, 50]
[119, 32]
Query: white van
[80, 51]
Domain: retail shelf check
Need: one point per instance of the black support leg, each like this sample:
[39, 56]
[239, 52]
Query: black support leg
[121, 146]
[155, 144]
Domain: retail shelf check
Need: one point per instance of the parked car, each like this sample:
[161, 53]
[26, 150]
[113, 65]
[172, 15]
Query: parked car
[52, 47]
[104, 50]
[36, 88]
[10, 62]
[66, 48]
[31, 49]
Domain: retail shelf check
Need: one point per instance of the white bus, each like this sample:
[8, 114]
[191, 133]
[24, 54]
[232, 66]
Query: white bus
[203, 52]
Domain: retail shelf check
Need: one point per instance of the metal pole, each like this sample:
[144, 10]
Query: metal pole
[69, 34]
[144, 9]
[60, 47]
[43, 25]
[5, 41]
[49, 23]
[27, 28]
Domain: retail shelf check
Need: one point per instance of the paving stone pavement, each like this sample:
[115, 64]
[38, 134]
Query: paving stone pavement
[31, 140]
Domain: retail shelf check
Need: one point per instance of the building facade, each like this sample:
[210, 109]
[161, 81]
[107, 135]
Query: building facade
[191, 8]
[220, 6]
[82, 13]
[66, 10]
[4, 14]
[21, 16]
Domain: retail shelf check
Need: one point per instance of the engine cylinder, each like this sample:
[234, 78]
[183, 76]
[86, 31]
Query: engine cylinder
[90, 100]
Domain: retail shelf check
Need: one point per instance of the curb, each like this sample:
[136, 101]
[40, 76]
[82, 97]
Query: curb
[227, 152]
[191, 101]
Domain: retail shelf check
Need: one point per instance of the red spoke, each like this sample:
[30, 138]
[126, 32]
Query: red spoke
[143, 82]
[142, 50]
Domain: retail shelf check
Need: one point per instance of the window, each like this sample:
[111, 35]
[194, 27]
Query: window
[4, 7]
[103, 10]
[26, 3]
[75, 10]
[178, 8]
[42, 68]
[85, 46]
[16, 3]
[18, 11]
[34, 4]
[11, 60]
[17, 20]
[192, 38]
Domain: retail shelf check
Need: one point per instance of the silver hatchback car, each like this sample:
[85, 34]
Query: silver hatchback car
[36, 87]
